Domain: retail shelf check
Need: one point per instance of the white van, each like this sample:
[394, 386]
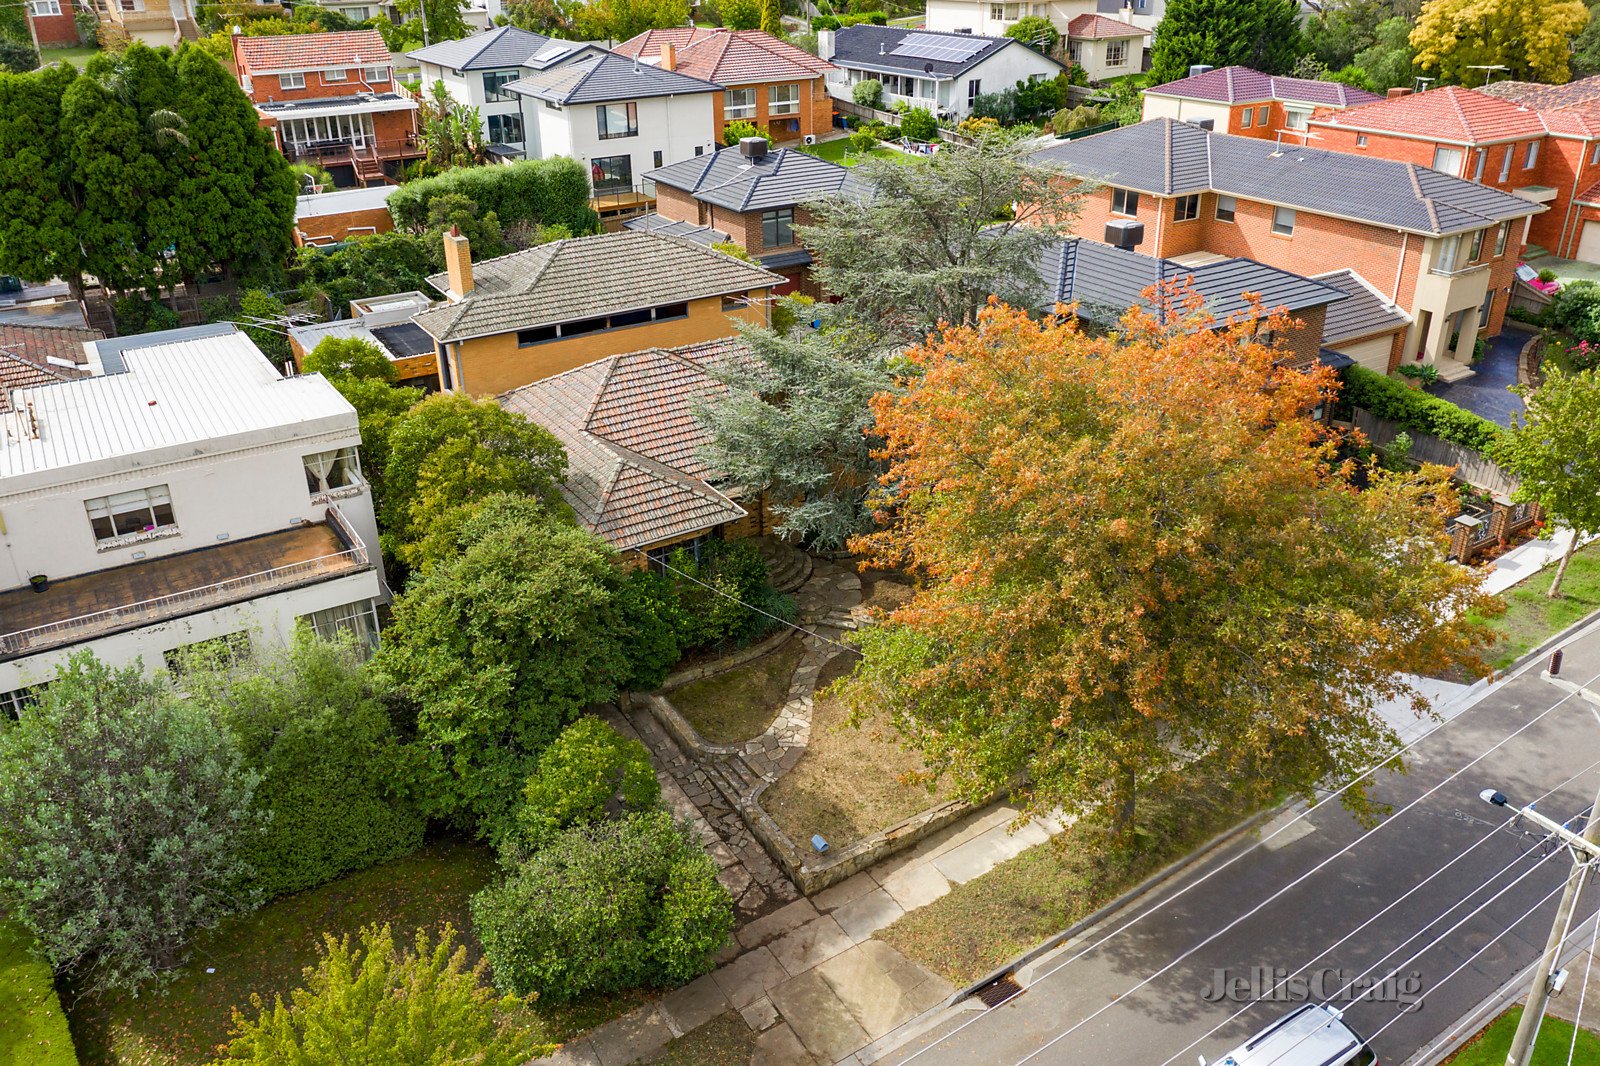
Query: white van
[1312, 1035]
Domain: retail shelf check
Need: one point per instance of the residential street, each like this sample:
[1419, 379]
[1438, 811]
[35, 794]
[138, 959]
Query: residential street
[1170, 958]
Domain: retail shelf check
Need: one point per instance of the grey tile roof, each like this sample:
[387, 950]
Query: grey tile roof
[1106, 281]
[635, 476]
[1364, 313]
[1233, 85]
[654, 223]
[583, 277]
[496, 49]
[781, 178]
[1168, 157]
[597, 77]
[867, 47]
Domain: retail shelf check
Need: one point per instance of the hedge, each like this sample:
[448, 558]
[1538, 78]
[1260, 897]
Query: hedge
[33, 1030]
[1419, 412]
[547, 191]
[839, 22]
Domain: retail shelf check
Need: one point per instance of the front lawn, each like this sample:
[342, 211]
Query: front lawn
[77, 55]
[266, 951]
[1489, 1047]
[740, 703]
[33, 1031]
[997, 916]
[1531, 617]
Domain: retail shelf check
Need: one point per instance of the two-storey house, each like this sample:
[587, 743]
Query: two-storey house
[181, 492]
[523, 317]
[1248, 103]
[331, 98]
[780, 88]
[51, 23]
[751, 197]
[1442, 250]
[942, 72]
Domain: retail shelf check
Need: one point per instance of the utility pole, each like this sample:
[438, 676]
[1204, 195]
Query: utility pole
[1547, 980]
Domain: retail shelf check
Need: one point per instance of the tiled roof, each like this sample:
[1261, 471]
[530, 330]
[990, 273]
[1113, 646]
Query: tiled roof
[1106, 281]
[312, 51]
[1098, 27]
[495, 49]
[1241, 85]
[41, 344]
[728, 57]
[1167, 157]
[866, 47]
[1534, 94]
[19, 373]
[1363, 313]
[601, 76]
[1463, 116]
[778, 179]
[635, 476]
[583, 277]
[654, 223]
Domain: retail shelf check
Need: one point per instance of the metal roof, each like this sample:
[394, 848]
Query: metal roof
[867, 47]
[1170, 158]
[328, 106]
[781, 178]
[342, 201]
[654, 223]
[1365, 313]
[499, 48]
[598, 77]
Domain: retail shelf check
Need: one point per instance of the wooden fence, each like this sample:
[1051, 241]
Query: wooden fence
[1471, 467]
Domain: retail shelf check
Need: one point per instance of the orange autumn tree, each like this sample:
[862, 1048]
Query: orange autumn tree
[1139, 549]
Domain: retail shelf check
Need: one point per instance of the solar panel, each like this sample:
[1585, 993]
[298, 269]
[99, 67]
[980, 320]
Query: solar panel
[936, 47]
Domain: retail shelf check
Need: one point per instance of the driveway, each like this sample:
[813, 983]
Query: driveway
[1487, 393]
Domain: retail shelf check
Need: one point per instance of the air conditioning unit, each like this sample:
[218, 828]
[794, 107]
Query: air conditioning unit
[810, 138]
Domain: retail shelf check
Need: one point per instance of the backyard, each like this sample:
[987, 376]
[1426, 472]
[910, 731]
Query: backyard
[33, 1030]
[839, 151]
[77, 56]
[1531, 617]
[264, 953]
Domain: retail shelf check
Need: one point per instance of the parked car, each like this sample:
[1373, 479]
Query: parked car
[1311, 1035]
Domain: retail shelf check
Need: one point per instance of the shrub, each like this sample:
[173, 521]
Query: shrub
[1547, 275]
[729, 248]
[714, 590]
[1036, 31]
[734, 132]
[1419, 412]
[587, 773]
[348, 357]
[376, 1003]
[868, 93]
[1426, 373]
[919, 125]
[1576, 309]
[261, 306]
[863, 140]
[605, 907]
[548, 191]
[654, 620]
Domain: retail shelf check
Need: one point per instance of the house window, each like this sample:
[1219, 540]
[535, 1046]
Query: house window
[1075, 52]
[335, 74]
[1447, 160]
[1116, 53]
[612, 173]
[42, 8]
[552, 105]
[656, 157]
[291, 81]
[13, 703]
[1261, 115]
[372, 75]
[1532, 156]
[1185, 208]
[326, 471]
[783, 100]
[1361, 140]
[1484, 308]
[358, 619]
[617, 120]
[738, 104]
[1295, 119]
[1247, 118]
[505, 129]
[777, 227]
[974, 87]
[538, 335]
[734, 303]
[1505, 162]
[139, 511]
[131, 5]
[1449, 254]
[1124, 202]
[997, 12]
[231, 649]
[494, 81]
[1594, 155]
[1477, 245]
[1283, 221]
[1226, 205]
[1500, 239]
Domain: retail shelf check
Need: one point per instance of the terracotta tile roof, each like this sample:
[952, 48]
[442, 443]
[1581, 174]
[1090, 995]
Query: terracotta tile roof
[635, 476]
[1241, 85]
[41, 355]
[728, 57]
[312, 51]
[1577, 120]
[1099, 27]
[1464, 116]
[1534, 94]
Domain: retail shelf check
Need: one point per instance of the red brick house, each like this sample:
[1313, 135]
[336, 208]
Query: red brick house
[1437, 248]
[331, 98]
[779, 87]
[51, 23]
[1248, 103]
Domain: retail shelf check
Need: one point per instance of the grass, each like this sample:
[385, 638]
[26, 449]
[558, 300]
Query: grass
[995, 917]
[1532, 618]
[265, 952]
[839, 151]
[723, 1041]
[77, 56]
[33, 1031]
[741, 703]
[848, 783]
[1489, 1047]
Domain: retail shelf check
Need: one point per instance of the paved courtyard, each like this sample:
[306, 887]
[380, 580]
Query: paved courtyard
[1487, 393]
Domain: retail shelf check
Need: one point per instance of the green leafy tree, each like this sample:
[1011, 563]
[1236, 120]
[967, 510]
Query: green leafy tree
[1553, 448]
[1454, 36]
[867, 92]
[481, 228]
[41, 230]
[1261, 34]
[622, 19]
[1390, 61]
[588, 773]
[449, 453]
[348, 357]
[125, 817]
[1036, 31]
[111, 168]
[1340, 31]
[606, 906]
[18, 56]
[446, 18]
[734, 132]
[938, 238]
[919, 125]
[379, 405]
[363, 266]
[500, 647]
[553, 18]
[1353, 76]
[262, 317]
[374, 1002]
[740, 14]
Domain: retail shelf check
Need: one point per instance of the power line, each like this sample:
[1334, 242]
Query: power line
[1577, 1015]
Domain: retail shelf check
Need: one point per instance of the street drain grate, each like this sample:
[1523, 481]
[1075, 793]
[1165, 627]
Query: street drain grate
[997, 992]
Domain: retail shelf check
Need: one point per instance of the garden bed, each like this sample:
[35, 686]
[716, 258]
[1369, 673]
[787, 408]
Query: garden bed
[265, 952]
[740, 703]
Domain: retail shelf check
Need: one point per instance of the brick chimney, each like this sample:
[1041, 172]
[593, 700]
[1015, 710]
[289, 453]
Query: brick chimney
[1397, 93]
[458, 263]
[669, 57]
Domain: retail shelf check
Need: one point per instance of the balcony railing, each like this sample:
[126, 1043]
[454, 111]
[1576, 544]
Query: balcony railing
[346, 152]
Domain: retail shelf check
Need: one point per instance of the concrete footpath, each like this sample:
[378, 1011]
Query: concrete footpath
[808, 978]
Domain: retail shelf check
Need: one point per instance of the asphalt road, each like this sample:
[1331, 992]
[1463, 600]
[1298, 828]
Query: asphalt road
[1149, 994]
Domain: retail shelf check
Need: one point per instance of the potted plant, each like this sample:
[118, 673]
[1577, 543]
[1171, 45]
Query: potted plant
[39, 582]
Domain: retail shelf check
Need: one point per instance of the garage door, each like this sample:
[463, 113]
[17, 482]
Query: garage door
[1589, 243]
[1372, 354]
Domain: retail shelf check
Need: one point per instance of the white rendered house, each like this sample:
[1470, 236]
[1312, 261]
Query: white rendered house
[992, 19]
[185, 492]
[943, 72]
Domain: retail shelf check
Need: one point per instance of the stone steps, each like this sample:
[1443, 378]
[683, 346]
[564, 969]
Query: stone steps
[787, 567]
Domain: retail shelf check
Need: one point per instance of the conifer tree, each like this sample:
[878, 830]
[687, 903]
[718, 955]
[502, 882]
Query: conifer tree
[1261, 34]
